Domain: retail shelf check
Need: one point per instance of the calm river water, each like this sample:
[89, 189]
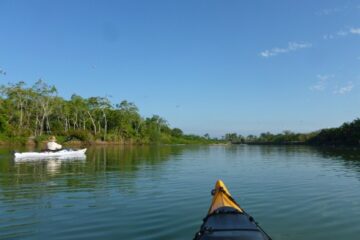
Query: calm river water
[295, 193]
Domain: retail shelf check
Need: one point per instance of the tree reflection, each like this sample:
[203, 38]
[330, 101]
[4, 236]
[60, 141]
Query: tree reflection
[350, 156]
[51, 176]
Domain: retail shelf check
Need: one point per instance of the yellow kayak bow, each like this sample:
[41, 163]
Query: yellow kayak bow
[226, 220]
[222, 198]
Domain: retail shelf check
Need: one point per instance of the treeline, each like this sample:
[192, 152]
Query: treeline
[38, 111]
[286, 137]
[347, 134]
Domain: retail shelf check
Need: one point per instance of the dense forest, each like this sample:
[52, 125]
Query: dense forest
[36, 112]
[347, 134]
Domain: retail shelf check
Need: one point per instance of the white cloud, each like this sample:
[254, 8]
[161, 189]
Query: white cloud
[344, 89]
[324, 82]
[292, 46]
[328, 36]
[324, 77]
[321, 83]
[354, 30]
[342, 33]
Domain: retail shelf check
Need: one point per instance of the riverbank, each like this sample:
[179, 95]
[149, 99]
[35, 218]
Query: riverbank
[41, 141]
[329, 146]
[346, 135]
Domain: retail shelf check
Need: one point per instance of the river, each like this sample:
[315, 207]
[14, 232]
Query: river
[163, 192]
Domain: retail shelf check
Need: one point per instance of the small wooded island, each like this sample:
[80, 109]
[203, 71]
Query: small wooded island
[28, 115]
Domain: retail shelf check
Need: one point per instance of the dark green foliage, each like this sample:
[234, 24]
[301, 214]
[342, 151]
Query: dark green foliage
[348, 135]
[176, 132]
[234, 138]
[38, 112]
[3, 124]
[286, 137]
[78, 134]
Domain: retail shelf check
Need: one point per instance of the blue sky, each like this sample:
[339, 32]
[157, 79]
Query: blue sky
[205, 66]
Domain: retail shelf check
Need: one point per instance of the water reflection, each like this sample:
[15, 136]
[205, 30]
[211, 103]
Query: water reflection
[347, 154]
[137, 191]
[128, 160]
[76, 172]
[349, 157]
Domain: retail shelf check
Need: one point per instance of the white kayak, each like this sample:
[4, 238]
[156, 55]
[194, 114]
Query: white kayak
[62, 154]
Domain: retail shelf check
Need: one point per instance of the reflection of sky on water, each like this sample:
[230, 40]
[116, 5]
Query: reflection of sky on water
[136, 191]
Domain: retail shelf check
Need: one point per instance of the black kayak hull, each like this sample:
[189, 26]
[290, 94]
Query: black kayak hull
[228, 223]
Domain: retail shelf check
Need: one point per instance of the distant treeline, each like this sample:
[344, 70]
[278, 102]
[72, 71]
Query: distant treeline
[347, 134]
[38, 112]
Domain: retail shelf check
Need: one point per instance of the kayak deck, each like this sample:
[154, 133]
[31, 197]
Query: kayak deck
[227, 220]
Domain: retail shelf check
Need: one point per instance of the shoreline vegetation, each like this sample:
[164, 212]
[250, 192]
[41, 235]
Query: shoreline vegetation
[347, 135]
[29, 115]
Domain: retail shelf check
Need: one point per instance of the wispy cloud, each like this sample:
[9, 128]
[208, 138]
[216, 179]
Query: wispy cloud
[342, 33]
[344, 89]
[328, 36]
[292, 46]
[326, 82]
[322, 82]
[336, 10]
[329, 11]
[354, 31]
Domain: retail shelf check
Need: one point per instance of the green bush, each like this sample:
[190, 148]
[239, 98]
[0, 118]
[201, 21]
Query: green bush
[81, 135]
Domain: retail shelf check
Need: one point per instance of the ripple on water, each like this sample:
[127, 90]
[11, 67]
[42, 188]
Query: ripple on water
[164, 192]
